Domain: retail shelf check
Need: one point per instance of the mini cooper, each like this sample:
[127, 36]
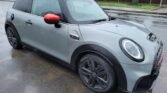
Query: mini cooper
[107, 53]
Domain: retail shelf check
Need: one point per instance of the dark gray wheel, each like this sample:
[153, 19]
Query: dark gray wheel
[13, 38]
[96, 73]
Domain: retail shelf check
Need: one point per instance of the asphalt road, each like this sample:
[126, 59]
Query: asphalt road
[23, 71]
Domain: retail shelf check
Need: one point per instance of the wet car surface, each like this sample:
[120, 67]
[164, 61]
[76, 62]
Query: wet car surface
[24, 71]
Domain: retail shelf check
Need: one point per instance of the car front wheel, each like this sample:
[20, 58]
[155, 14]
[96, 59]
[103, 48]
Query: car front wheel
[96, 73]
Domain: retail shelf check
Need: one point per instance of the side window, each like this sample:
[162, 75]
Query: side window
[23, 5]
[41, 7]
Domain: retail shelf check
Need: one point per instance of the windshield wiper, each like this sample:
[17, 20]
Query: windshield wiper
[100, 20]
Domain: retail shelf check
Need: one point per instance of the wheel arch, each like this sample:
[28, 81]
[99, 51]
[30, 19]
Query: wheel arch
[9, 23]
[102, 52]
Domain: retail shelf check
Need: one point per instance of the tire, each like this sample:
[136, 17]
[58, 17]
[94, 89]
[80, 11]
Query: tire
[13, 38]
[96, 73]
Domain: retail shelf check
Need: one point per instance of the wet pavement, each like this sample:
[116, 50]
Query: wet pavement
[23, 71]
[161, 10]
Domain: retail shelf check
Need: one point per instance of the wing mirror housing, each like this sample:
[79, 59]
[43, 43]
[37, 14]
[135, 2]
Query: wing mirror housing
[52, 19]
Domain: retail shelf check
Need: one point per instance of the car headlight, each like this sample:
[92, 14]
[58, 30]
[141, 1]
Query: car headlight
[132, 49]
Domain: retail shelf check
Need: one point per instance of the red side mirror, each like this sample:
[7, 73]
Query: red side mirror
[52, 18]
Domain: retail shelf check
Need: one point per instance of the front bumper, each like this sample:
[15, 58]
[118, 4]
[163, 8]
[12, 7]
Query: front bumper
[141, 77]
[145, 83]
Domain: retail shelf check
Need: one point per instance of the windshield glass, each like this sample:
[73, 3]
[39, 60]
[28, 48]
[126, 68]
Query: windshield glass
[85, 10]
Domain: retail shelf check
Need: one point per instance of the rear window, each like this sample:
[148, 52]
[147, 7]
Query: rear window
[23, 5]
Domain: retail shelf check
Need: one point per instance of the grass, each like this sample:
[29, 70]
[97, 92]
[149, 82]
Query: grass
[128, 5]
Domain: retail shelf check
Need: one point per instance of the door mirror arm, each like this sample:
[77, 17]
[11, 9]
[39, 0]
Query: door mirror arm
[57, 25]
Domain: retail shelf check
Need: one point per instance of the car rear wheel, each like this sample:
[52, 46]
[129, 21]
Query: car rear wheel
[96, 73]
[13, 38]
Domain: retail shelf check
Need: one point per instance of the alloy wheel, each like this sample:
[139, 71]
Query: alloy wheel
[94, 74]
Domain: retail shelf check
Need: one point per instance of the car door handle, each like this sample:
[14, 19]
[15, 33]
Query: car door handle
[28, 22]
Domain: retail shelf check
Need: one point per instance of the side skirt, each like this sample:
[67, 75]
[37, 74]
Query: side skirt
[49, 57]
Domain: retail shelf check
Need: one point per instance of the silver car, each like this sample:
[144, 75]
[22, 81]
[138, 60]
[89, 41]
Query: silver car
[109, 54]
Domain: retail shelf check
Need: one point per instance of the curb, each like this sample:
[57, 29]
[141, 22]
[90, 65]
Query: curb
[128, 15]
[146, 12]
[137, 17]
[133, 11]
[162, 23]
[141, 21]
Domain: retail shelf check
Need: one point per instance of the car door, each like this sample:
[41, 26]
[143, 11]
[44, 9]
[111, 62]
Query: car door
[18, 15]
[44, 36]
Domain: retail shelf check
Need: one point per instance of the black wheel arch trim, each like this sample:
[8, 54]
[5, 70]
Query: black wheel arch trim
[90, 48]
[9, 23]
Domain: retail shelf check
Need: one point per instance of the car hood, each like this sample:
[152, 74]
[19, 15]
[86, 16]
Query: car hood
[109, 34]
[124, 28]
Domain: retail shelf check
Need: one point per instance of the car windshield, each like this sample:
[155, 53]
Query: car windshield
[86, 10]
